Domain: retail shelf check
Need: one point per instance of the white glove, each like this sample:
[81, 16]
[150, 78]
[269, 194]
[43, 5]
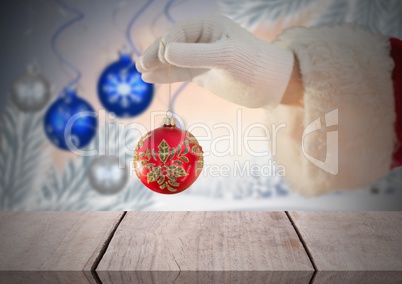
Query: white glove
[222, 57]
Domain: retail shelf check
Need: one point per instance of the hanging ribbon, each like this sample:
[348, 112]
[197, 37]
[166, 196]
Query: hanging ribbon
[31, 15]
[79, 16]
[115, 13]
[130, 25]
[167, 9]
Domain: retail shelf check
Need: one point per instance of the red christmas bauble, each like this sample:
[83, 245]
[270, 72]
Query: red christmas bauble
[168, 160]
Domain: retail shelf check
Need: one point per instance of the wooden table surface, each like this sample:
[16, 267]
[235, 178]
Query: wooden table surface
[200, 247]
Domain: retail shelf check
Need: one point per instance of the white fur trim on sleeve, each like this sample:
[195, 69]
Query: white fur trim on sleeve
[346, 73]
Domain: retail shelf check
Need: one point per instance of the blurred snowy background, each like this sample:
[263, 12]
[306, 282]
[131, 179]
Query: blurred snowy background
[34, 175]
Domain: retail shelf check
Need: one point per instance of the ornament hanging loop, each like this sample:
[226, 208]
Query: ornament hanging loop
[169, 114]
[169, 120]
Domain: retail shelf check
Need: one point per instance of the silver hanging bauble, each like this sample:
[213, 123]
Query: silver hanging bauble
[30, 92]
[105, 175]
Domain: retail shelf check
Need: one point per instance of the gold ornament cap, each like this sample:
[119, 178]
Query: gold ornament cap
[169, 121]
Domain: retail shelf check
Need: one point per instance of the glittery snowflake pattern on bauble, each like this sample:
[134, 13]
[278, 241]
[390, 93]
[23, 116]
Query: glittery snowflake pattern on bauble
[121, 89]
[70, 121]
[168, 160]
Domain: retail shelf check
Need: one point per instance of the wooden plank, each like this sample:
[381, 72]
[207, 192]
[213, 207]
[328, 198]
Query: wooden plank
[52, 245]
[353, 247]
[205, 247]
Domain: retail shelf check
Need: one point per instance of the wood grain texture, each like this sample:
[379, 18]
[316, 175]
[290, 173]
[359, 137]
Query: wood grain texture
[57, 242]
[352, 241]
[221, 242]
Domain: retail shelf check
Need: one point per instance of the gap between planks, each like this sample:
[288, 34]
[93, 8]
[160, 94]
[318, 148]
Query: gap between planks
[104, 249]
[310, 256]
[109, 239]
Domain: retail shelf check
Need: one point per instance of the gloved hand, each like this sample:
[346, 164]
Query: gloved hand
[222, 57]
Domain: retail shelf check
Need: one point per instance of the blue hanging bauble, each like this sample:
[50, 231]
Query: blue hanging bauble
[122, 90]
[70, 112]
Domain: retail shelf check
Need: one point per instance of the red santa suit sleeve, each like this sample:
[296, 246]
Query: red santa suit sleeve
[396, 54]
[344, 135]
